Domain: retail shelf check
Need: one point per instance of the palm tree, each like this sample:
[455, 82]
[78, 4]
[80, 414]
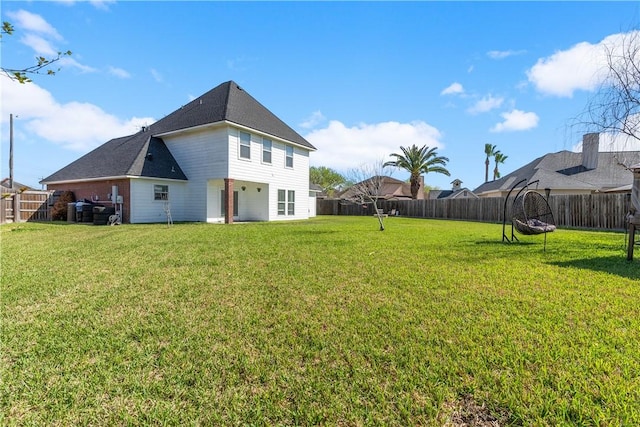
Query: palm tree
[498, 157]
[417, 161]
[490, 151]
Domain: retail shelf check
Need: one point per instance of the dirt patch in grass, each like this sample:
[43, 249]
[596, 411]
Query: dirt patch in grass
[466, 412]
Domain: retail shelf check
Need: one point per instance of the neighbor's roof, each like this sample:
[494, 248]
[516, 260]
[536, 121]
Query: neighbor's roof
[128, 156]
[564, 170]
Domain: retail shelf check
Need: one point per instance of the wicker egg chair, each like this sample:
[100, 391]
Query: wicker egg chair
[531, 214]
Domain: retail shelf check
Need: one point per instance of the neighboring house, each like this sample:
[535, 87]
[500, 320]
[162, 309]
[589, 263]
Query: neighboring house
[566, 172]
[223, 157]
[17, 187]
[390, 189]
[456, 192]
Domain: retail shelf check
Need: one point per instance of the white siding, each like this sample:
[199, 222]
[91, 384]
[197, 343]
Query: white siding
[276, 175]
[210, 155]
[202, 155]
[145, 209]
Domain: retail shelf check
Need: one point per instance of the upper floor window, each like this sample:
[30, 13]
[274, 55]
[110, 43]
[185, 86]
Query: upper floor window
[245, 145]
[288, 156]
[160, 192]
[266, 150]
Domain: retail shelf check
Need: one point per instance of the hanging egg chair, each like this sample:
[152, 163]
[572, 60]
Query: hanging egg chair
[531, 214]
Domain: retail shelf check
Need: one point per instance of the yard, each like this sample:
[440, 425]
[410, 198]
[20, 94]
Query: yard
[319, 322]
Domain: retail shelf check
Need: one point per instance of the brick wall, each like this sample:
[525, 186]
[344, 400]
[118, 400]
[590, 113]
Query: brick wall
[99, 189]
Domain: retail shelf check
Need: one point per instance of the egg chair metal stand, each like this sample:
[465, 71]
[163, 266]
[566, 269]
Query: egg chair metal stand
[530, 214]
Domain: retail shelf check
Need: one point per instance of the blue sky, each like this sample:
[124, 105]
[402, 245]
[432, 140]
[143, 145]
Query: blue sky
[357, 79]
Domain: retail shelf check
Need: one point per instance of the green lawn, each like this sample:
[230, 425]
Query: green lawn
[320, 322]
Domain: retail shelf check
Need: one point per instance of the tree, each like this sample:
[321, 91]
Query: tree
[615, 106]
[498, 158]
[42, 65]
[367, 189]
[417, 161]
[490, 151]
[327, 178]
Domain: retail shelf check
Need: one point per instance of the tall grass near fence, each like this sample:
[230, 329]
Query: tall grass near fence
[320, 322]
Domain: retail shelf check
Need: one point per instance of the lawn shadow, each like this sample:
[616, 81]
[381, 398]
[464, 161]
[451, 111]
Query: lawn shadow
[615, 264]
[499, 242]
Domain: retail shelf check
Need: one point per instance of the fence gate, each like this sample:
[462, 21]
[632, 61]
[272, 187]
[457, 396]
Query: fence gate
[26, 206]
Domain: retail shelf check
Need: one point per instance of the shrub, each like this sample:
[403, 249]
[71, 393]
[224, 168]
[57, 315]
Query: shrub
[59, 210]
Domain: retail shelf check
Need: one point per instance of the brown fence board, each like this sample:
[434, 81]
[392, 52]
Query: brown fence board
[26, 206]
[595, 211]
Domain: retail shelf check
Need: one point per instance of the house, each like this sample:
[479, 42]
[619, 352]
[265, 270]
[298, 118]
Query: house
[11, 186]
[456, 192]
[223, 157]
[566, 172]
[389, 189]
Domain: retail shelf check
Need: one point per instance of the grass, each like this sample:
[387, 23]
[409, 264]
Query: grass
[321, 322]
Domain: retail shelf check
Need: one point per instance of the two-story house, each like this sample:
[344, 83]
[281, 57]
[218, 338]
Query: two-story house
[223, 157]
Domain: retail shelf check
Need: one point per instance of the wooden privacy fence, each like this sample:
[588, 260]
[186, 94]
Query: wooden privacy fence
[598, 211]
[26, 206]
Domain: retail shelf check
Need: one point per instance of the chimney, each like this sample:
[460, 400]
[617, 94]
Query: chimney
[456, 184]
[590, 148]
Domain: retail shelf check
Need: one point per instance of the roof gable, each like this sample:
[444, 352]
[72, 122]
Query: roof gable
[228, 102]
[135, 155]
[145, 154]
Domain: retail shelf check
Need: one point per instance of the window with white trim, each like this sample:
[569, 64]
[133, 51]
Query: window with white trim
[288, 156]
[245, 145]
[282, 202]
[291, 202]
[160, 192]
[286, 202]
[267, 145]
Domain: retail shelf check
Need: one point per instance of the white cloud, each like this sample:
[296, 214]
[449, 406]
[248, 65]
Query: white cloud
[453, 89]
[39, 45]
[156, 75]
[501, 54]
[75, 125]
[33, 23]
[487, 103]
[119, 72]
[516, 120]
[613, 143]
[581, 67]
[313, 120]
[343, 148]
[98, 4]
[41, 37]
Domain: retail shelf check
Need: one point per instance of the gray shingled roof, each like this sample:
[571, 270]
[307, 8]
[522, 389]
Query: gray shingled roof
[228, 102]
[564, 170]
[136, 155]
[128, 156]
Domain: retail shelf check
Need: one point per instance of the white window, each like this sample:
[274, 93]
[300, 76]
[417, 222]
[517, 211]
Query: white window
[286, 202]
[160, 192]
[245, 145]
[288, 156]
[282, 202]
[291, 202]
[266, 150]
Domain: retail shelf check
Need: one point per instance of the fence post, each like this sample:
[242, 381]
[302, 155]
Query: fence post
[17, 212]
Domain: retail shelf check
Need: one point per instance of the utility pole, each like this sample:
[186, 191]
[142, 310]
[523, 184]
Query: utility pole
[11, 151]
